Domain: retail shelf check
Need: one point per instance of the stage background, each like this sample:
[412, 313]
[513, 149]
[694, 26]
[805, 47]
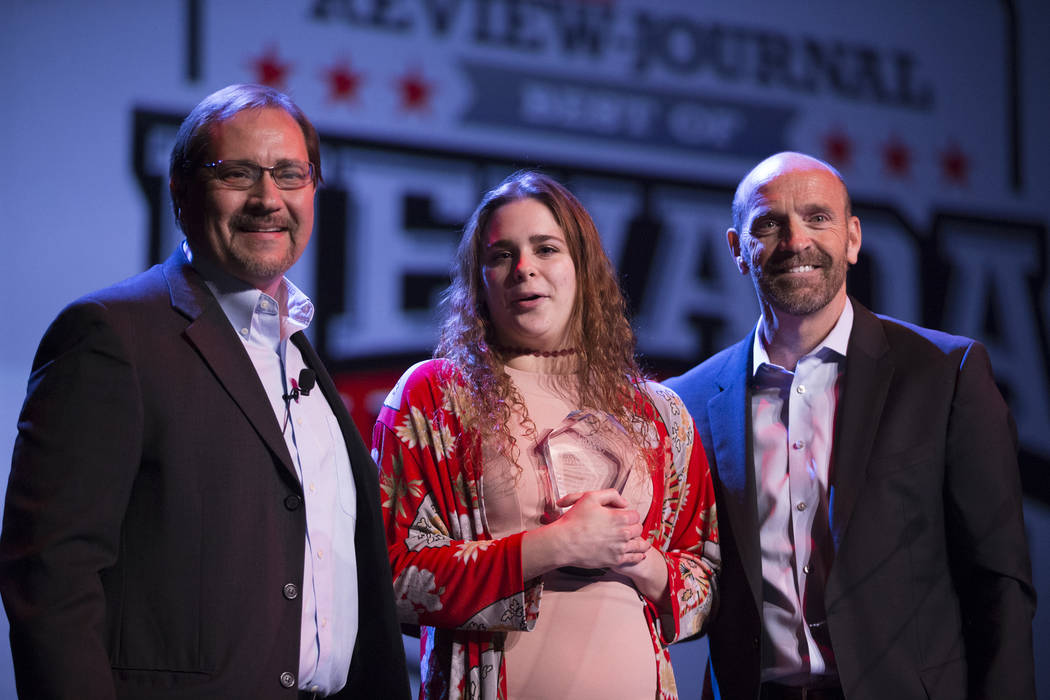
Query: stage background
[936, 113]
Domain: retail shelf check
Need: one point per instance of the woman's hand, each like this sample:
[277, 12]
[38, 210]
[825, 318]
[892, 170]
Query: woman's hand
[598, 531]
[650, 578]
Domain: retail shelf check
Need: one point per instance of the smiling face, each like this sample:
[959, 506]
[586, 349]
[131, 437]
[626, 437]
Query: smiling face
[798, 237]
[529, 277]
[258, 233]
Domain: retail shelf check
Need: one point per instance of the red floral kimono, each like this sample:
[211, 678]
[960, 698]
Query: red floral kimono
[466, 589]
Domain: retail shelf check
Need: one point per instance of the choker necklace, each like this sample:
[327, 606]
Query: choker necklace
[513, 350]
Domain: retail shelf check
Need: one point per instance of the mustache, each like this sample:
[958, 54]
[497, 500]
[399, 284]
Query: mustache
[785, 260]
[252, 223]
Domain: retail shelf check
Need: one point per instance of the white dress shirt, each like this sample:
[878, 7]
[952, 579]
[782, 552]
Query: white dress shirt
[318, 450]
[792, 420]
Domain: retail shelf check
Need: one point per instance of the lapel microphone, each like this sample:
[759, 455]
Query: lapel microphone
[307, 380]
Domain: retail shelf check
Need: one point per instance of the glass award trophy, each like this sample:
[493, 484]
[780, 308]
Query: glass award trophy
[589, 451]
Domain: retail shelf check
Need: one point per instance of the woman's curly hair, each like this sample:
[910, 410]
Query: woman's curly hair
[607, 374]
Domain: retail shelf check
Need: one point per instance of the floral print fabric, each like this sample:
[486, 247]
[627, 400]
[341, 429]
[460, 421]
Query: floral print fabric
[464, 588]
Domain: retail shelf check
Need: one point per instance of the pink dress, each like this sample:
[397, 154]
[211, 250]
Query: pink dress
[591, 639]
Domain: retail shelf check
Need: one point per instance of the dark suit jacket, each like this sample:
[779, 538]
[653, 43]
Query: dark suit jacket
[153, 515]
[930, 592]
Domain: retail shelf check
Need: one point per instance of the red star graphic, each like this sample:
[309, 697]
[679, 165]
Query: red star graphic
[896, 156]
[270, 70]
[342, 82]
[955, 165]
[415, 91]
[838, 148]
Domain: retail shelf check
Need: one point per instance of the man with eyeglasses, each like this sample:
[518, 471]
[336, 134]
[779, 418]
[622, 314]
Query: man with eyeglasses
[191, 512]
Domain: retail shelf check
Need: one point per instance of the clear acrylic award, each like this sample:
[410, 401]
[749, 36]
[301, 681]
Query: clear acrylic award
[589, 451]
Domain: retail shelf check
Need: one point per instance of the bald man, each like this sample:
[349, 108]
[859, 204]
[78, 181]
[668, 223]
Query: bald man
[866, 474]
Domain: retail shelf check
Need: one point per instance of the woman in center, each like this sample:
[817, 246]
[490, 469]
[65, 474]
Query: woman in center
[530, 576]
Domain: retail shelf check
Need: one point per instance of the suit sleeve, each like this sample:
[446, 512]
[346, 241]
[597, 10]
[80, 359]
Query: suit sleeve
[75, 458]
[986, 535]
[447, 572]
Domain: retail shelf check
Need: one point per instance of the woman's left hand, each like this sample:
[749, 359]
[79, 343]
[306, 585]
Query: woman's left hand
[649, 576]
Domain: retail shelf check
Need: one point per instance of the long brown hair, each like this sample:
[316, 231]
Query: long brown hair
[606, 373]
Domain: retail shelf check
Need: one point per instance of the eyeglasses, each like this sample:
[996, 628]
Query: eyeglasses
[243, 174]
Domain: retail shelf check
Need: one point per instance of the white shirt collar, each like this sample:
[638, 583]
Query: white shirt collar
[239, 300]
[836, 340]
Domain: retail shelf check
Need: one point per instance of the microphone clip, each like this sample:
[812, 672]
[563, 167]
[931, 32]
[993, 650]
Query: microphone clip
[307, 381]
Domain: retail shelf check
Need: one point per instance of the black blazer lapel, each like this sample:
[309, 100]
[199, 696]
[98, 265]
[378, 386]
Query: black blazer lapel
[866, 383]
[729, 414]
[354, 443]
[378, 663]
[210, 332]
[363, 468]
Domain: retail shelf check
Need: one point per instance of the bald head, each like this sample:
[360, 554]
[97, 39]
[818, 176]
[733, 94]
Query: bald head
[795, 236]
[772, 167]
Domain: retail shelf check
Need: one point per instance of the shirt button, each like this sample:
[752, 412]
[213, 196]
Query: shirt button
[320, 554]
[801, 388]
[798, 444]
[801, 506]
[291, 591]
[244, 332]
[288, 679]
[806, 568]
[292, 502]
